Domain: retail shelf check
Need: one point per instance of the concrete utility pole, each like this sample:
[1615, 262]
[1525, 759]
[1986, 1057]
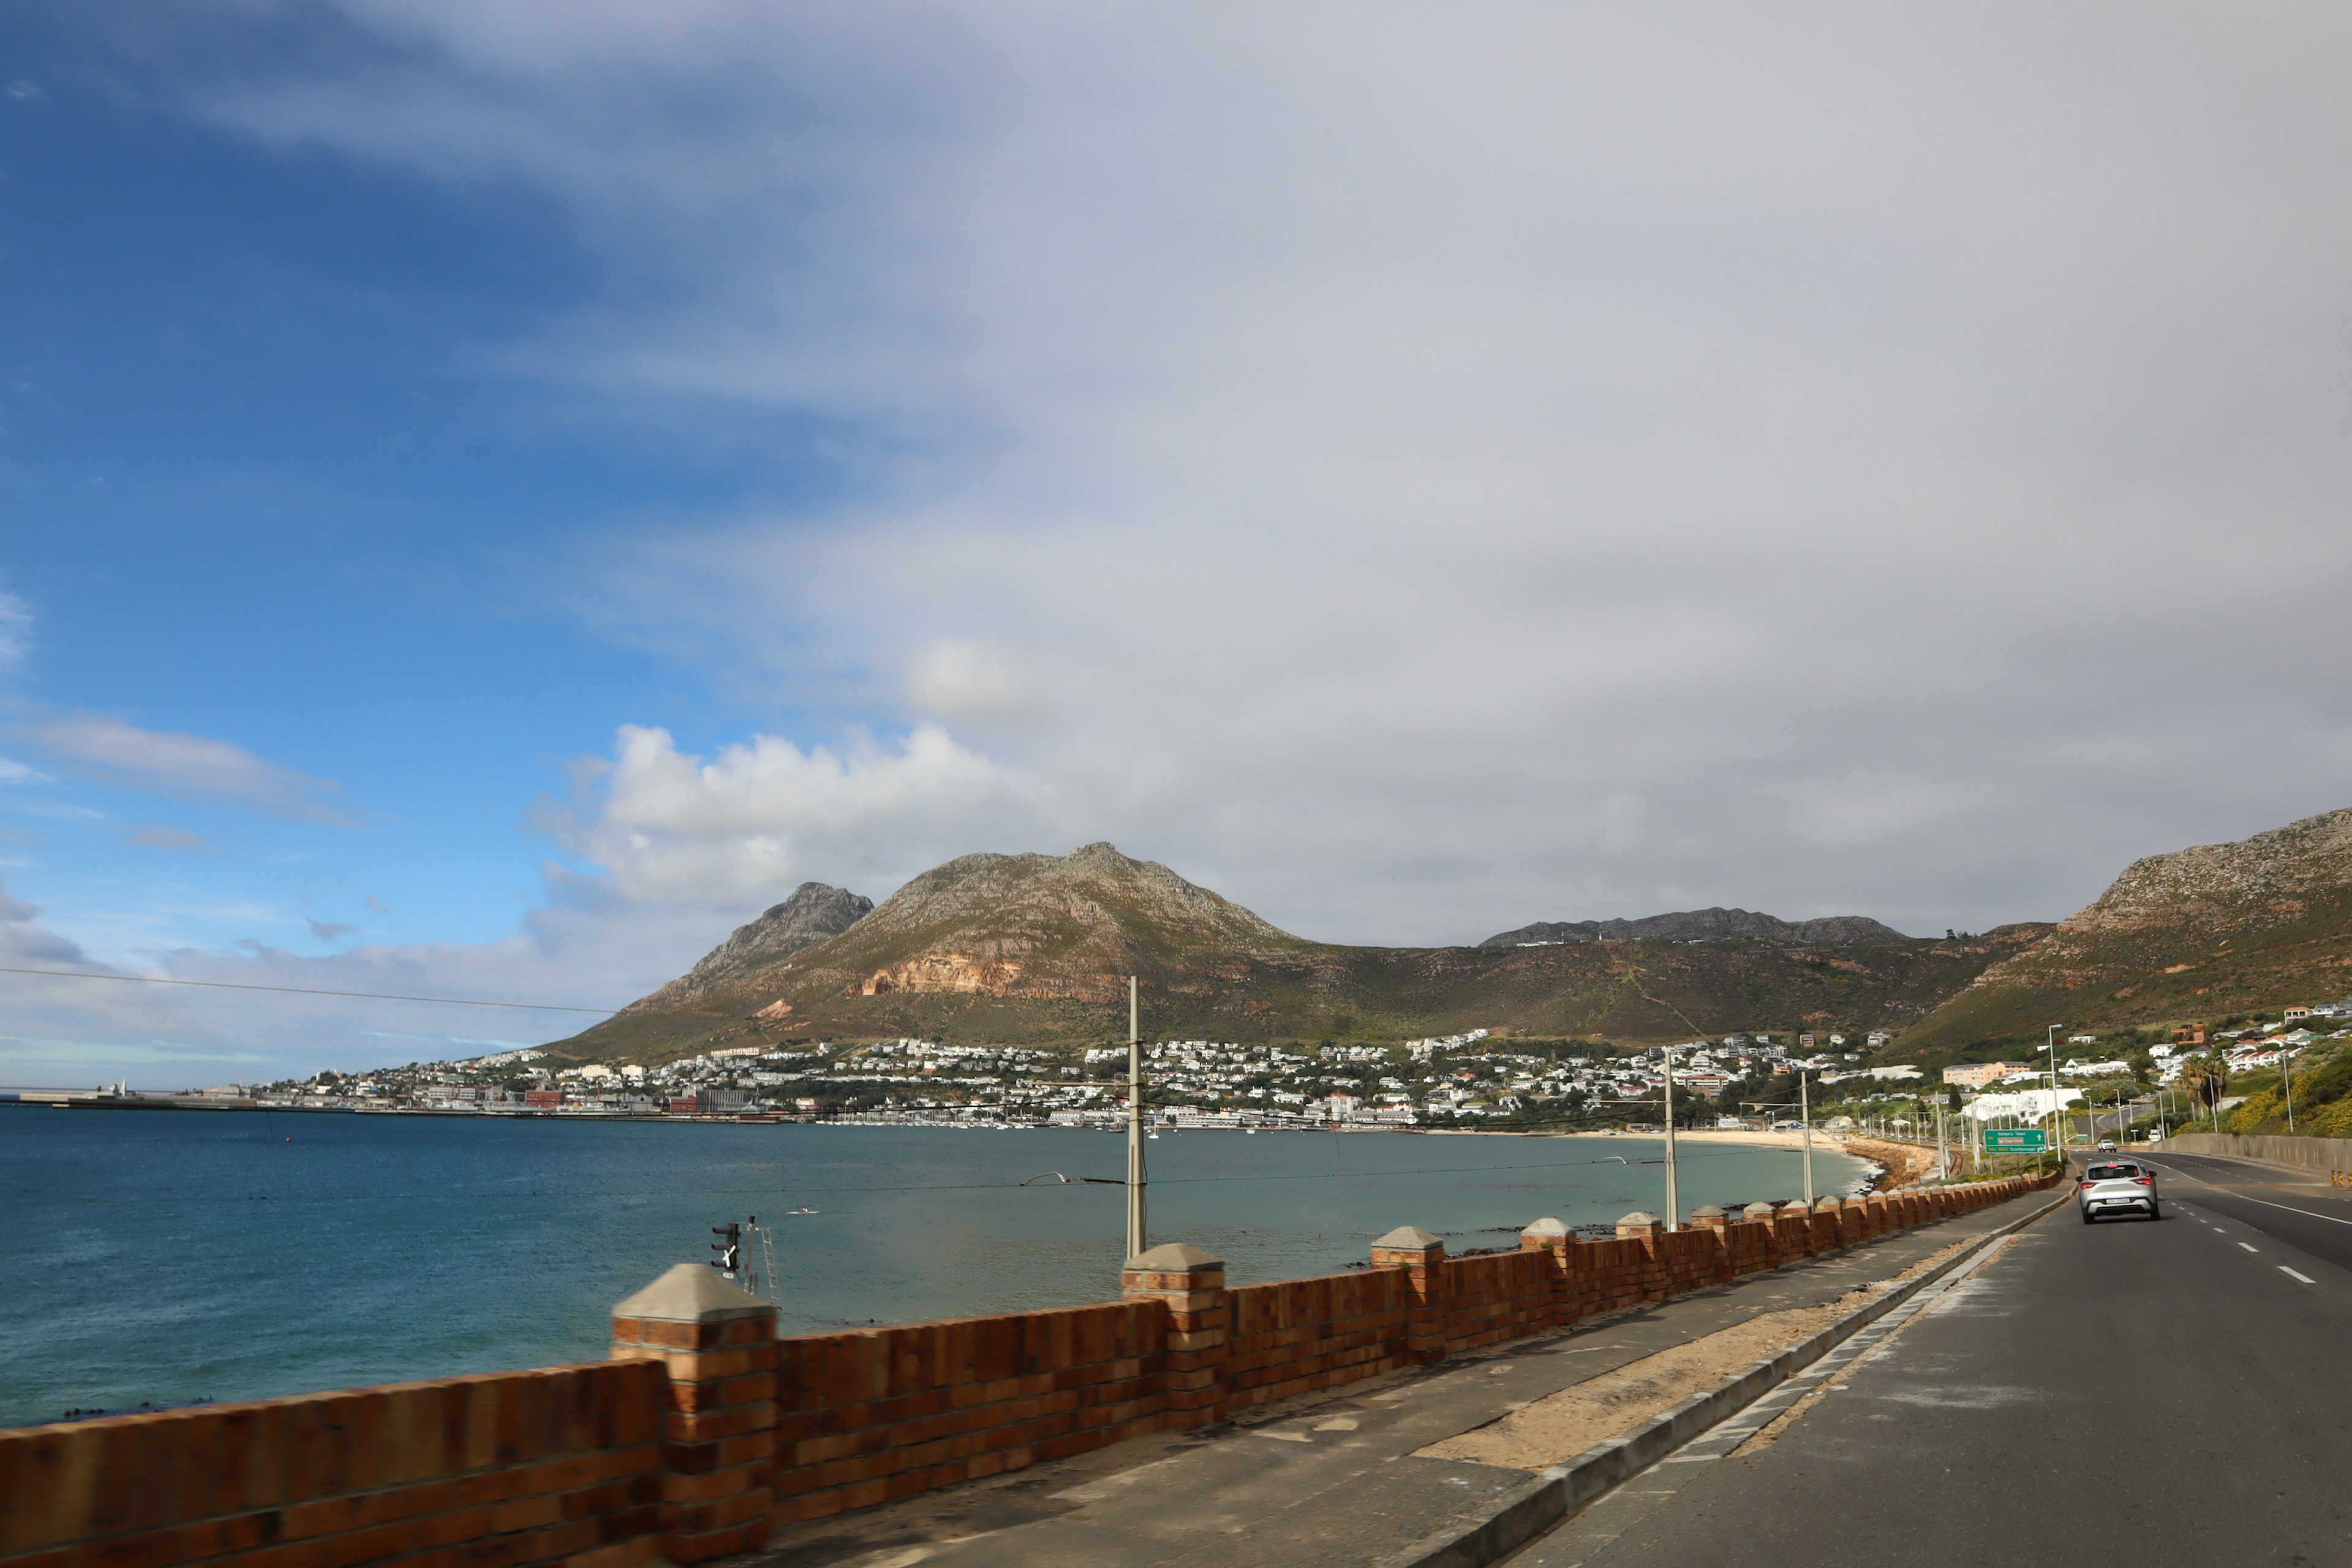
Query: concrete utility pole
[1805, 1117]
[2286, 1067]
[1135, 1182]
[1673, 1205]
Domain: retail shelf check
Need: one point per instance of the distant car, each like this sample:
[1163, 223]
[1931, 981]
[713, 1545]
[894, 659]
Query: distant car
[1788, 1126]
[2117, 1186]
[2106, 1145]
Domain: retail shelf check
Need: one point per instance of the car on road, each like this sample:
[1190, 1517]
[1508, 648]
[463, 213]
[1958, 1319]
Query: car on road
[2117, 1188]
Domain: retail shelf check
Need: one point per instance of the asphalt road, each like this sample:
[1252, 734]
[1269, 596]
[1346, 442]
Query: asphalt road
[2299, 1209]
[2156, 1393]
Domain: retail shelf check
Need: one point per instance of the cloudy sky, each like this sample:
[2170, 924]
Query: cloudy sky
[493, 495]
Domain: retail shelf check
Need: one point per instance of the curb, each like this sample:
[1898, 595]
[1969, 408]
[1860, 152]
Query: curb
[1525, 1512]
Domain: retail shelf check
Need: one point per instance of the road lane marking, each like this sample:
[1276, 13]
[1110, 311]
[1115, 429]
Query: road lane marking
[2292, 1274]
[2248, 1249]
[2292, 1209]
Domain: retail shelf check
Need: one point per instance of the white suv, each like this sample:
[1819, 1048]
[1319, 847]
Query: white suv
[2117, 1186]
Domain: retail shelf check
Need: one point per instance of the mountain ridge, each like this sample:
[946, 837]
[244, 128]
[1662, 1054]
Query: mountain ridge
[2213, 931]
[1716, 924]
[1036, 949]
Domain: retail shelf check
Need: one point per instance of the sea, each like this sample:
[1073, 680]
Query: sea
[161, 1258]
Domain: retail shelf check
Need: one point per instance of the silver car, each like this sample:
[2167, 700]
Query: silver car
[2117, 1186]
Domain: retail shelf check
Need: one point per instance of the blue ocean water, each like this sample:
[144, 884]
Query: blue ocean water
[155, 1256]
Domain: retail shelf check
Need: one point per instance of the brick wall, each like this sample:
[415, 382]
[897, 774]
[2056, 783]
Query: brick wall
[559, 1464]
[706, 1430]
[1300, 1335]
[884, 1413]
[1499, 1297]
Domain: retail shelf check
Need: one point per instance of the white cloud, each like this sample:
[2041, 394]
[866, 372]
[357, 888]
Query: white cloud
[190, 767]
[744, 826]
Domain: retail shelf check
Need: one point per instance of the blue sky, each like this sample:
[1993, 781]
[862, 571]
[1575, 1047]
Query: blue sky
[490, 499]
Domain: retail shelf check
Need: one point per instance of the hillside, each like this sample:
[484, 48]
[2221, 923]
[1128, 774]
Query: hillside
[2203, 934]
[1702, 925]
[1037, 948]
[813, 913]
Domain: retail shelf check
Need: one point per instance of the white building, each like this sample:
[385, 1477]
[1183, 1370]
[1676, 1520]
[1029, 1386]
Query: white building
[2025, 1104]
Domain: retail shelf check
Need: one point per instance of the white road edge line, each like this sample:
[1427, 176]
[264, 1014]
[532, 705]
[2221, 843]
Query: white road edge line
[2292, 1274]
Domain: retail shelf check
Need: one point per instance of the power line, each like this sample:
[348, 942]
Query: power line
[312, 991]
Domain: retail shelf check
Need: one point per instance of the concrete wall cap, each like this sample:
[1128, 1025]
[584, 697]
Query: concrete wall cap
[1174, 1257]
[1828, 1203]
[692, 1293]
[1709, 1211]
[1407, 1239]
[1546, 1228]
[1638, 1216]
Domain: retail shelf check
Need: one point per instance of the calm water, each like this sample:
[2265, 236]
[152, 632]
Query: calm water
[159, 1256]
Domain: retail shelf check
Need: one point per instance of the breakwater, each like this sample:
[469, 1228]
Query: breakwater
[706, 1429]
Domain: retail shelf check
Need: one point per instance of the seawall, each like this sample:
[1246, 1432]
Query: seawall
[705, 1430]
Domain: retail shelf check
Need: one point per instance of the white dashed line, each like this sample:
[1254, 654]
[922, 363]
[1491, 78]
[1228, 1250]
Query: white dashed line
[2248, 1249]
[2292, 1274]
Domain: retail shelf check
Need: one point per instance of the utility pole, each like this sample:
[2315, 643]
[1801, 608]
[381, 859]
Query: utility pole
[1134, 1125]
[2057, 1111]
[2286, 1067]
[1805, 1116]
[1674, 1202]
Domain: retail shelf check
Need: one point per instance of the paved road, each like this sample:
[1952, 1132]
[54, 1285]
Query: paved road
[2298, 1207]
[2161, 1394]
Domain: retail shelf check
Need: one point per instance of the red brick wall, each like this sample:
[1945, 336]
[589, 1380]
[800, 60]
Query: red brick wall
[559, 1464]
[1300, 1335]
[1498, 1297]
[876, 1413]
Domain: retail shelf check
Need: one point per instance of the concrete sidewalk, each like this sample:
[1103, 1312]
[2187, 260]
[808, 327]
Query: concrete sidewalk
[1334, 1477]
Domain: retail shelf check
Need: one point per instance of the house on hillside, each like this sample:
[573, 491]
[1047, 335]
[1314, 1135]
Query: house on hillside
[1981, 1075]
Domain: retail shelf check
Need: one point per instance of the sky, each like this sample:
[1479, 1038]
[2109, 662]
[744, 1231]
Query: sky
[492, 497]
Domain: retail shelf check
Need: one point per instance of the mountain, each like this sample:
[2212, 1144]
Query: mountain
[2200, 935]
[1036, 949]
[1702, 925]
[813, 913]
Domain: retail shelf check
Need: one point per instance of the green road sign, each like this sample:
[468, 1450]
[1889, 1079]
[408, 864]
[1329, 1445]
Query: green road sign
[2016, 1140]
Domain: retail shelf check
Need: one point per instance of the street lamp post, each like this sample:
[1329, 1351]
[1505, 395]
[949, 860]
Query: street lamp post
[1673, 1201]
[2057, 1117]
[1134, 1126]
[2286, 1067]
[1805, 1118]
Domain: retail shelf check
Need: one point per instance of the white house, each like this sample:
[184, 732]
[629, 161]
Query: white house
[2025, 1104]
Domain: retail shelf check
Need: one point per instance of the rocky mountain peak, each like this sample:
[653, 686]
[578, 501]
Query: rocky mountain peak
[815, 912]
